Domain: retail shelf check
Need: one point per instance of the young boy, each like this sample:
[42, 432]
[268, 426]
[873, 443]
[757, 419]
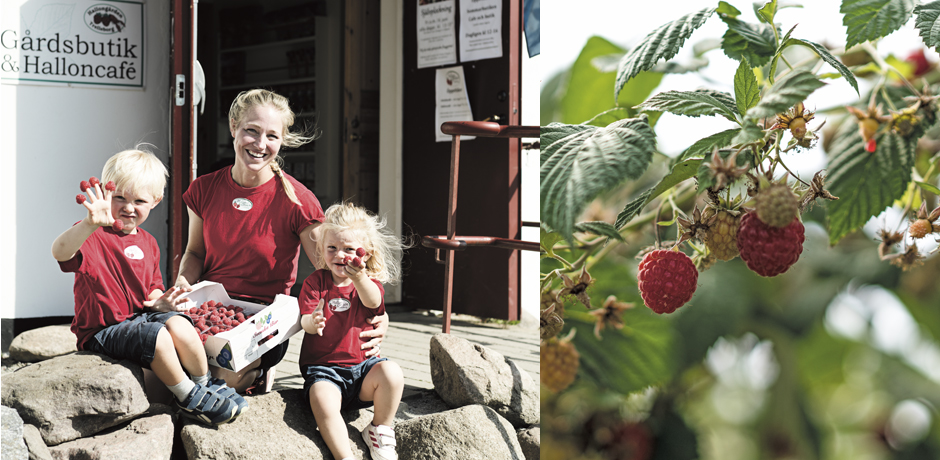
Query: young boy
[120, 308]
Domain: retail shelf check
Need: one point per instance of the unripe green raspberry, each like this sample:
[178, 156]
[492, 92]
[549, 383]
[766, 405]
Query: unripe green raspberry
[777, 205]
[723, 235]
[559, 364]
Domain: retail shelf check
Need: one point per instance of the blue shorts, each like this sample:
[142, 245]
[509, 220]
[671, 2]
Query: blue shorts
[134, 339]
[347, 379]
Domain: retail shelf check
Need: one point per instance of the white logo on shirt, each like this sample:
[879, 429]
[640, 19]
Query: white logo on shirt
[339, 304]
[134, 252]
[242, 204]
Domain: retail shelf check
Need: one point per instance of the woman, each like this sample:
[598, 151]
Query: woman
[247, 222]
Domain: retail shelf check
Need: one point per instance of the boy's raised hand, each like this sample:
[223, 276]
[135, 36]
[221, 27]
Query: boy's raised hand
[98, 204]
[172, 300]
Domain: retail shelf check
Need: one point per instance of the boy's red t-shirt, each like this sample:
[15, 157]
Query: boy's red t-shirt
[251, 234]
[114, 274]
[345, 317]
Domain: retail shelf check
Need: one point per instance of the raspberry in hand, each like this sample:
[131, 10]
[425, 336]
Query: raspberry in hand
[110, 186]
[94, 181]
[80, 199]
[85, 185]
[360, 252]
[118, 225]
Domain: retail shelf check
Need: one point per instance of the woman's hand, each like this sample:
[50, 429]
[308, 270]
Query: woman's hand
[171, 300]
[378, 334]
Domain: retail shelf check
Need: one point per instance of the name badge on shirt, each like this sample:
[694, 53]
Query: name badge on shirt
[339, 304]
[242, 204]
[134, 252]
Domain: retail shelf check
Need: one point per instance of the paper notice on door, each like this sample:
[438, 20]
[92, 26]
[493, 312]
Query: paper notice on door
[452, 101]
[436, 43]
[481, 29]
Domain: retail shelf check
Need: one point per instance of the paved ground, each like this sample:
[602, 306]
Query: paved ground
[409, 342]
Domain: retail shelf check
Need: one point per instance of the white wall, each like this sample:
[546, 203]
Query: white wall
[529, 279]
[57, 136]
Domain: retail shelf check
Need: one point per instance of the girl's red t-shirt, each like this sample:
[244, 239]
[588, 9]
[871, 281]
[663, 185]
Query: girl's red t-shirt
[345, 317]
[114, 274]
[252, 235]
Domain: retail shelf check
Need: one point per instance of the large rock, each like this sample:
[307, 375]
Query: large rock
[38, 450]
[530, 441]
[468, 433]
[277, 425]
[464, 373]
[12, 444]
[76, 395]
[43, 343]
[149, 437]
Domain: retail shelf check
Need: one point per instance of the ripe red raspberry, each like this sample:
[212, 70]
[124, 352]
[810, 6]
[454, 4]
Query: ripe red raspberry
[559, 364]
[777, 205]
[94, 181]
[722, 237]
[110, 186]
[919, 228]
[360, 252]
[769, 251]
[79, 198]
[214, 330]
[667, 280]
[357, 262]
[84, 185]
[118, 225]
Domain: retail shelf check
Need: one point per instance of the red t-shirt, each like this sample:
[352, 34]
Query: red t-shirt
[251, 234]
[345, 317]
[114, 274]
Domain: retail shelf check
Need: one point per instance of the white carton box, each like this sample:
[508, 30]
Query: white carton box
[235, 349]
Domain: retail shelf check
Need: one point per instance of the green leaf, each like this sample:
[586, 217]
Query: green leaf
[586, 93]
[662, 43]
[872, 19]
[690, 103]
[766, 13]
[550, 98]
[727, 9]
[750, 132]
[746, 89]
[548, 240]
[787, 91]
[579, 161]
[928, 187]
[703, 147]
[626, 360]
[866, 183]
[743, 40]
[680, 172]
[598, 228]
[928, 23]
[825, 55]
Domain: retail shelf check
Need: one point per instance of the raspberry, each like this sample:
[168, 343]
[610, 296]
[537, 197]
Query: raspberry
[360, 252]
[777, 205]
[110, 186]
[214, 330]
[920, 228]
[769, 251]
[871, 145]
[559, 364]
[94, 181]
[667, 280]
[79, 198]
[85, 185]
[118, 225]
[721, 239]
[357, 262]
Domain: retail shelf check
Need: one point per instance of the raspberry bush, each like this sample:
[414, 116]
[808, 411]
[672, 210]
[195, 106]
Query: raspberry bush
[645, 304]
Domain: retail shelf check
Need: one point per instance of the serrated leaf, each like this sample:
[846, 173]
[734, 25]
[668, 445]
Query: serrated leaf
[598, 228]
[928, 187]
[625, 360]
[680, 172]
[548, 240]
[750, 132]
[728, 9]
[785, 92]
[825, 55]
[746, 89]
[866, 183]
[743, 40]
[766, 13]
[928, 23]
[662, 43]
[581, 161]
[688, 103]
[705, 146]
[867, 20]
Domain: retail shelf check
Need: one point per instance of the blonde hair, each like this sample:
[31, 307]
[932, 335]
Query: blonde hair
[135, 170]
[371, 230]
[291, 139]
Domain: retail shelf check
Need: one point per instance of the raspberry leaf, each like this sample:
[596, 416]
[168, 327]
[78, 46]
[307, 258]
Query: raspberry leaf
[691, 103]
[704, 146]
[598, 228]
[746, 89]
[928, 23]
[754, 42]
[866, 183]
[787, 91]
[680, 172]
[766, 13]
[578, 162]
[826, 56]
[872, 19]
[662, 43]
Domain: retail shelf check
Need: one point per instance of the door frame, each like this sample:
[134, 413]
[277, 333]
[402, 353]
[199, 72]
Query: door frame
[182, 119]
[390, 132]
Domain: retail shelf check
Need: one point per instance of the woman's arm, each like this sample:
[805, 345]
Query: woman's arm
[194, 259]
[308, 241]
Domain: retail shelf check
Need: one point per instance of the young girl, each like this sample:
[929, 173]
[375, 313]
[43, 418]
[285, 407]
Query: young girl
[356, 256]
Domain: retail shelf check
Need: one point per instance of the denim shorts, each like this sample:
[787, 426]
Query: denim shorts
[134, 339]
[347, 379]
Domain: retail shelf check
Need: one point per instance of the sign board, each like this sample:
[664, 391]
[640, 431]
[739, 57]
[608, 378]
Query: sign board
[96, 43]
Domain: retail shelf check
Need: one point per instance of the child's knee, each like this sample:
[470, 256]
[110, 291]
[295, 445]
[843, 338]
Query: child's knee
[390, 371]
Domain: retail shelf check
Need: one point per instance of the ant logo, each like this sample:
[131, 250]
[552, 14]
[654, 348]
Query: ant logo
[105, 19]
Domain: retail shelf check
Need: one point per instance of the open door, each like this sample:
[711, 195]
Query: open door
[486, 281]
[181, 128]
